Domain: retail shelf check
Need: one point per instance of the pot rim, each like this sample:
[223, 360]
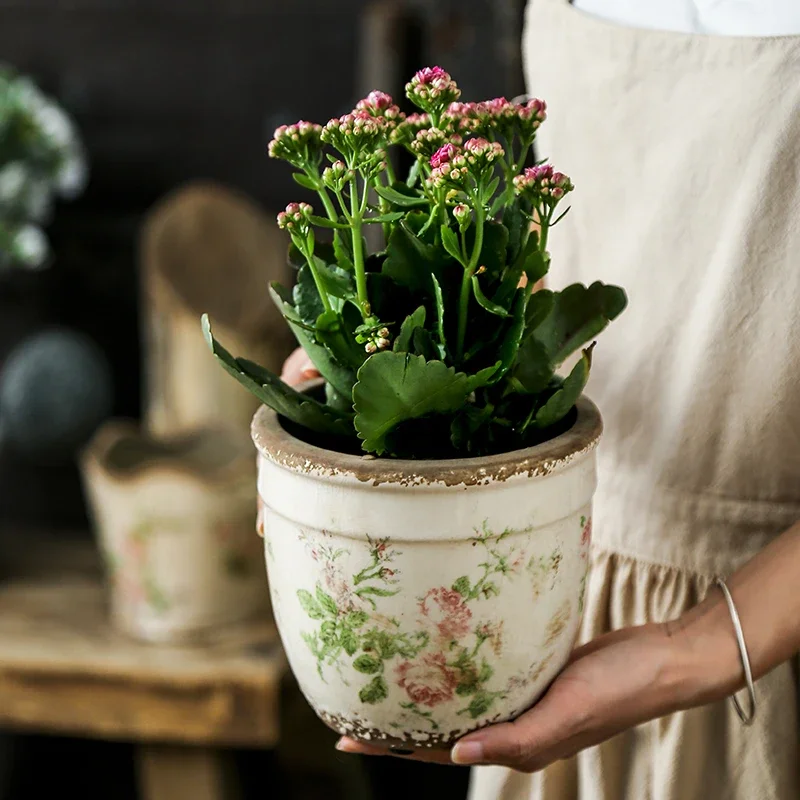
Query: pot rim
[280, 447]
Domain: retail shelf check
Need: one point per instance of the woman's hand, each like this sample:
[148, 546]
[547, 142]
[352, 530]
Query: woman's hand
[298, 368]
[611, 684]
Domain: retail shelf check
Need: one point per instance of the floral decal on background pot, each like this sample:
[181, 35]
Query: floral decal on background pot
[438, 357]
[41, 158]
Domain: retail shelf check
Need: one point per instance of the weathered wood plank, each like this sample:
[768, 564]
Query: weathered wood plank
[64, 669]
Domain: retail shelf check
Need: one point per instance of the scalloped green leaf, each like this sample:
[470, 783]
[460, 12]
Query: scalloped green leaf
[272, 391]
[578, 315]
[395, 387]
[402, 343]
[341, 378]
[562, 401]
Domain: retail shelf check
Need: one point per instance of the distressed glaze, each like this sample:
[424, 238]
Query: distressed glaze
[414, 610]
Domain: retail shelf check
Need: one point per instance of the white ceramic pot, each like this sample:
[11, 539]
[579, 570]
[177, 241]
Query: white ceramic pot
[175, 524]
[418, 601]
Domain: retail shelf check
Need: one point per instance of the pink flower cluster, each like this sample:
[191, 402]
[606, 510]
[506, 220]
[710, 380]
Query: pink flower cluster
[500, 114]
[427, 681]
[405, 132]
[295, 218]
[297, 142]
[380, 104]
[542, 182]
[454, 166]
[481, 152]
[337, 175]
[429, 141]
[357, 134]
[432, 89]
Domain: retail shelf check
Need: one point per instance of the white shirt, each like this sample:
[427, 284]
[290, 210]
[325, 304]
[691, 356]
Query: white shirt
[720, 17]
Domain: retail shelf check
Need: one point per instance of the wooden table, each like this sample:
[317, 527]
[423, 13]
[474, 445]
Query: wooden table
[64, 670]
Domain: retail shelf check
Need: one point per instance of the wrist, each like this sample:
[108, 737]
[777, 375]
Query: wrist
[706, 663]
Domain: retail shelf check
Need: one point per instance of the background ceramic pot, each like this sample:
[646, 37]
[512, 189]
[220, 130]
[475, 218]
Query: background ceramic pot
[418, 601]
[175, 522]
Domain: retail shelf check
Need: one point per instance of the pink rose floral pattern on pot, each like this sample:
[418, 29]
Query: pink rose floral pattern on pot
[448, 654]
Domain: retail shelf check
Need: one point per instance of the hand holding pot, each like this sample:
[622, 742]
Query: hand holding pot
[642, 673]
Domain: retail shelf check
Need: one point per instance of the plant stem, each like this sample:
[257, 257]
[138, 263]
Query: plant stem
[466, 280]
[356, 225]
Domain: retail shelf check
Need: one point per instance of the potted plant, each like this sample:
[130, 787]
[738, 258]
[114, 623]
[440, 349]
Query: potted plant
[427, 508]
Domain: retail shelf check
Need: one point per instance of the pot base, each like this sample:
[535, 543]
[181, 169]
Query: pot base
[417, 740]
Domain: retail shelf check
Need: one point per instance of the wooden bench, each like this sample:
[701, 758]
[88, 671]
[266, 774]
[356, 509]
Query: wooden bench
[64, 670]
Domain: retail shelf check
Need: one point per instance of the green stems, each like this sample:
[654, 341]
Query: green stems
[306, 247]
[466, 280]
[356, 225]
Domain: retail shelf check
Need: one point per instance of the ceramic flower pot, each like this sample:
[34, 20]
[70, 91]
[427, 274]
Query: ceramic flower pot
[175, 525]
[418, 601]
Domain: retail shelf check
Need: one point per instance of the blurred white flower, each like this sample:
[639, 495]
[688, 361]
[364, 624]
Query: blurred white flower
[55, 125]
[30, 247]
[13, 178]
[72, 174]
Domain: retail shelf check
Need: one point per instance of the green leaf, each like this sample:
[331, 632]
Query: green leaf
[399, 199]
[342, 249]
[310, 605]
[560, 404]
[306, 297]
[413, 174]
[536, 263]
[422, 344]
[466, 688]
[437, 294]
[270, 389]
[462, 586]
[517, 220]
[367, 664]
[410, 261]
[578, 315]
[324, 222]
[349, 641]
[513, 337]
[355, 619]
[486, 672]
[533, 370]
[480, 704]
[451, 243]
[339, 377]
[416, 320]
[484, 302]
[395, 387]
[540, 304]
[493, 250]
[332, 332]
[327, 632]
[392, 216]
[374, 590]
[326, 602]
[304, 181]
[375, 691]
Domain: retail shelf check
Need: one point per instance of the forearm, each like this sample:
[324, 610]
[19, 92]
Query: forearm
[766, 594]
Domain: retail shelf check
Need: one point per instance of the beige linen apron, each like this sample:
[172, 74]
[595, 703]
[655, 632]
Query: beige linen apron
[685, 153]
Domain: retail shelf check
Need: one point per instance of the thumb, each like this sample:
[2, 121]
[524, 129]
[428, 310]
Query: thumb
[522, 744]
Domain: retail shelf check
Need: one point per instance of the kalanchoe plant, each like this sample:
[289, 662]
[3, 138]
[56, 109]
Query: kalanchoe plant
[437, 344]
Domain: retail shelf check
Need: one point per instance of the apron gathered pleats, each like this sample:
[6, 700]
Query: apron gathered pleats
[685, 154]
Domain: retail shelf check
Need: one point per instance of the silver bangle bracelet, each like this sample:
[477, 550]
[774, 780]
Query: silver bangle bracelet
[746, 718]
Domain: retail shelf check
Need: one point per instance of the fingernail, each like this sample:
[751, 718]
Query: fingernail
[398, 751]
[346, 745]
[467, 753]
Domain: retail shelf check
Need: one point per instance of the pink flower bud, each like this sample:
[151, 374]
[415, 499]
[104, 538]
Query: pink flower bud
[443, 155]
